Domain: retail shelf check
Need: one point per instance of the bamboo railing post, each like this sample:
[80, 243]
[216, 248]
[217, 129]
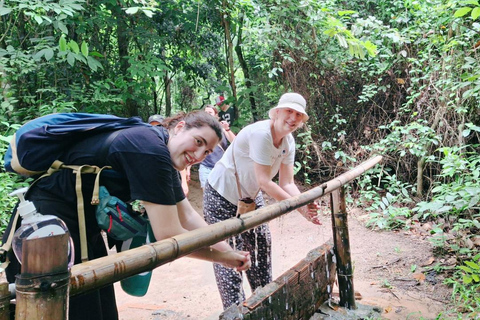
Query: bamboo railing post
[100, 272]
[342, 248]
[42, 286]
[4, 301]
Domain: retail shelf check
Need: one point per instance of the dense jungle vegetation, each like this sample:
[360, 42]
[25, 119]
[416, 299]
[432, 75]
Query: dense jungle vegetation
[393, 77]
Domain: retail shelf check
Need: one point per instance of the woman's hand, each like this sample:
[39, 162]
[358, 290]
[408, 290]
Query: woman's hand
[225, 125]
[310, 212]
[238, 260]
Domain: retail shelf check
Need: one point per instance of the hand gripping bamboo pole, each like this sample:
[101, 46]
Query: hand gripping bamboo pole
[97, 273]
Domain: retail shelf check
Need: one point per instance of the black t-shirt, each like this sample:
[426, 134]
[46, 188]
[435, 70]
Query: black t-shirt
[228, 115]
[142, 169]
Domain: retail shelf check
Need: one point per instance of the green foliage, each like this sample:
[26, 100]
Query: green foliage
[472, 8]
[305, 139]
[457, 192]
[414, 138]
[8, 181]
[386, 198]
[466, 286]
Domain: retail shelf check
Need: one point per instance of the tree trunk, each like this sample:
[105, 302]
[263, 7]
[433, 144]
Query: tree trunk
[246, 73]
[168, 95]
[131, 106]
[229, 44]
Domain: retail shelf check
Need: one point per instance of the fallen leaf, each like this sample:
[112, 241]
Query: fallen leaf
[429, 262]
[420, 277]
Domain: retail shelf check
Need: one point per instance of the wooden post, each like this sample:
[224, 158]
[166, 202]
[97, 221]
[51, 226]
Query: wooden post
[4, 301]
[342, 248]
[42, 286]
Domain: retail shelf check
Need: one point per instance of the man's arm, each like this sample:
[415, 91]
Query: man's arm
[226, 130]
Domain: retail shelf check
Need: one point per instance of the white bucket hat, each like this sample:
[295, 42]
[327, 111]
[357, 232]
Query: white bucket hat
[293, 101]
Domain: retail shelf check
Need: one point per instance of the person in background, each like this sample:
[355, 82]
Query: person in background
[157, 120]
[147, 160]
[209, 162]
[259, 151]
[226, 113]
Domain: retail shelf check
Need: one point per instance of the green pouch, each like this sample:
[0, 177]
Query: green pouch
[118, 219]
[137, 285]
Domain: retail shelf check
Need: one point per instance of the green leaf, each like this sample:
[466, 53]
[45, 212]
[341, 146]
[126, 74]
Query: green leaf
[85, 49]
[38, 19]
[148, 13]
[39, 54]
[93, 64]
[71, 59]
[475, 13]
[62, 27]
[341, 40]
[96, 54]
[4, 11]
[472, 2]
[132, 10]
[74, 46]
[347, 12]
[62, 43]
[466, 269]
[49, 54]
[467, 279]
[462, 11]
[472, 265]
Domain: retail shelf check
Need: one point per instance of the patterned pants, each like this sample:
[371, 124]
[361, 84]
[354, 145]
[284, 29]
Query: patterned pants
[257, 241]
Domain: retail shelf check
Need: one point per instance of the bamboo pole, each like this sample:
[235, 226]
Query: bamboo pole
[342, 249]
[4, 301]
[42, 286]
[97, 273]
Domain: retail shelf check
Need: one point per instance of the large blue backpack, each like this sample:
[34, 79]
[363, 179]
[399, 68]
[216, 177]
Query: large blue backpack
[38, 143]
[37, 146]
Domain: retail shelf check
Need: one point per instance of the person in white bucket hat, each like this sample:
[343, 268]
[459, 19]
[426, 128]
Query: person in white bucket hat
[246, 169]
[292, 101]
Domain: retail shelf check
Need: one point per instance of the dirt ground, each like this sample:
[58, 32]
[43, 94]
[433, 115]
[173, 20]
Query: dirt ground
[389, 272]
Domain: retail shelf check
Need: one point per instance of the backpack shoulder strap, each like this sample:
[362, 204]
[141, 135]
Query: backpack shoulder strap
[78, 170]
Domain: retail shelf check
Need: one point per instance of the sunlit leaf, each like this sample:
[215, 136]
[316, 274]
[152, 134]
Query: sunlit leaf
[462, 11]
[74, 46]
[467, 279]
[132, 10]
[85, 49]
[148, 13]
[4, 11]
[472, 265]
[62, 43]
[38, 19]
[475, 13]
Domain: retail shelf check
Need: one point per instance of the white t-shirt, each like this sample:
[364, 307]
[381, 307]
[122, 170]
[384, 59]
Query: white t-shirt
[254, 143]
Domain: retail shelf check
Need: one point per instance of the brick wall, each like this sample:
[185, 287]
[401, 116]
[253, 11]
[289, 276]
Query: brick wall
[294, 295]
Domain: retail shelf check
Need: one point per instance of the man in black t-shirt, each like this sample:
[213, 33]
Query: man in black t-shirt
[226, 112]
